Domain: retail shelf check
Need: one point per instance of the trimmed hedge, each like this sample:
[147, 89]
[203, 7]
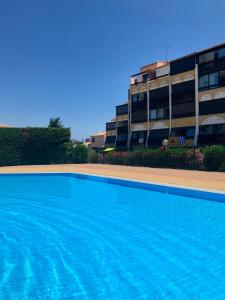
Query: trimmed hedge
[23, 146]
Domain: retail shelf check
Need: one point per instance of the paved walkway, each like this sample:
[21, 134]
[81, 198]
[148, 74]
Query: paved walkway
[199, 179]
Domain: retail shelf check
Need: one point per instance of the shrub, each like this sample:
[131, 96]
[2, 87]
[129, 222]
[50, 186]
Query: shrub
[80, 154]
[172, 158]
[214, 156]
[194, 158]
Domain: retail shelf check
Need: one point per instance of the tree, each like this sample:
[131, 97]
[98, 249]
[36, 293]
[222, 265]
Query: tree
[55, 123]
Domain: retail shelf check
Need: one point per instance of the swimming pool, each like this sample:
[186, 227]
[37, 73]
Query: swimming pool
[66, 236]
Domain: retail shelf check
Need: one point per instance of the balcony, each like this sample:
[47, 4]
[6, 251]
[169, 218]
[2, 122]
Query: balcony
[110, 126]
[142, 77]
[212, 66]
[122, 109]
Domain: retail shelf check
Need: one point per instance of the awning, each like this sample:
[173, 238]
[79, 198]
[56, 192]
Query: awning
[109, 149]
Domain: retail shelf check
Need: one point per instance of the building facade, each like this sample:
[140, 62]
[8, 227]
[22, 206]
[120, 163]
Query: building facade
[97, 140]
[182, 100]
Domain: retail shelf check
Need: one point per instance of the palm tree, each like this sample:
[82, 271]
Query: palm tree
[55, 123]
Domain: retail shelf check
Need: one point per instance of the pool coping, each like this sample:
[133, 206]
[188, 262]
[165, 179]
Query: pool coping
[179, 190]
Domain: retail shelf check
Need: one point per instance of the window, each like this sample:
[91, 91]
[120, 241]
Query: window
[110, 139]
[111, 126]
[183, 92]
[204, 81]
[182, 65]
[221, 53]
[93, 140]
[122, 138]
[122, 109]
[213, 79]
[212, 129]
[206, 57]
[153, 114]
[139, 97]
[190, 132]
[160, 113]
[222, 78]
[145, 77]
[135, 98]
[122, 124]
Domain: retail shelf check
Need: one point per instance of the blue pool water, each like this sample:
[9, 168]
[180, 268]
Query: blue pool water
[67, 237]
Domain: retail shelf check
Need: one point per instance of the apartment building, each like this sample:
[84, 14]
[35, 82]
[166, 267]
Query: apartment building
[97, 140]
[182, 100]
[117, 130]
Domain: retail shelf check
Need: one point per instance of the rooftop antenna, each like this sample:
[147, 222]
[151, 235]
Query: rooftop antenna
[167, 51]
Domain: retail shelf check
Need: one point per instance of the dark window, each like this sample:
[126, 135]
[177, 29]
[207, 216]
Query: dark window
[110, 126]
[187, 132]
[183, 92]
[212, 106]
[93, 140]
[157, 136]
[122, 124]
[182, 65]
[211, 134]
[159, 104]
[212, 55]
[139, 108]
[211, 62]
[221, 53]
[212, 129]
[110, 139]
[183, 110]
[222, 78]
[212, 80]
[159, 114]
[138, 138]
[183, 99]
[139, 97]
[139, 116]
[122, 127]
[122, 109]
[121, 141]
[122, 137]
[206, 57]
[203, 82]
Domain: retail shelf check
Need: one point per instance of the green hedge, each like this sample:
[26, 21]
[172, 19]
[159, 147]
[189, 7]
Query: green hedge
[20, 146]
[214, 158]
[210, 158]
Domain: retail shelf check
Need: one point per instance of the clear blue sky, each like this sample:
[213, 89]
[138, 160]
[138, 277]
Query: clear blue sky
[72, 58]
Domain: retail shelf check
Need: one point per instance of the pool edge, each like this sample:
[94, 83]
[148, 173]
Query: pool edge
[192, 192]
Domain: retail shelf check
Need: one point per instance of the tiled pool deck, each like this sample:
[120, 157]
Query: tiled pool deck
[197, 179]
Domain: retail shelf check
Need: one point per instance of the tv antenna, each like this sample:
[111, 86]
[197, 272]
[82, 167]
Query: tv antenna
[167, 47]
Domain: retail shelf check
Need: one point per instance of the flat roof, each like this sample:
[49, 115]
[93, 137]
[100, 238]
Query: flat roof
[99, 133]
[199, 52]
[186, 56]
